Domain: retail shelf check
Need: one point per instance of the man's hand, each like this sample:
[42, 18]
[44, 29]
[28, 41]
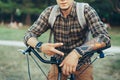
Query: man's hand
[49, 48]
[69, 64]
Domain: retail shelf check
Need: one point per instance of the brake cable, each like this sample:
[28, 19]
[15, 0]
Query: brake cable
[28, 52]
[101, 55]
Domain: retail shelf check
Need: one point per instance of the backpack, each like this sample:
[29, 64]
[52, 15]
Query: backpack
[80, 15]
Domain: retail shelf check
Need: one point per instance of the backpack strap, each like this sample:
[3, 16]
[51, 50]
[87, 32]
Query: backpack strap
[53, 16]
[81, 17]
[80, 14]
[51, 21]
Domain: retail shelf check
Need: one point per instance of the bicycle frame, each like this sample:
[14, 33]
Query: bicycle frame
[57, 62]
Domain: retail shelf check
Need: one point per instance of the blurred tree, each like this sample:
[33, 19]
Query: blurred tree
[116, 5]
[85, 1]
[104, 9]
[7, 7]
[26, 9]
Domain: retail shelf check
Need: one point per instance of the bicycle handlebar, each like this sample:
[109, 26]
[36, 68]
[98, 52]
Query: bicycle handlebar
[53, 59]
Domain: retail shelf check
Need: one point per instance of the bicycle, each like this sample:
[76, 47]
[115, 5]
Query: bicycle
[57, 62]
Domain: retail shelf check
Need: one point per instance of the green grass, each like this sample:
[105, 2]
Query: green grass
[107, 68]
[18, 34]
[13, 66]
[11, 34]
[115, 35]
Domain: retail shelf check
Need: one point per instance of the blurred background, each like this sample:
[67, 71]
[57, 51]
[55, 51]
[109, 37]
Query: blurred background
[16, 16]
[27, 11]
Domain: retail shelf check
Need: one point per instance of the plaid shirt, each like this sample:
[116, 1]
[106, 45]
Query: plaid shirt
[68, 30]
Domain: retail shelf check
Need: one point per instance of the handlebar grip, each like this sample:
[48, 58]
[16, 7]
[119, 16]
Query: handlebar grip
[28, 50]
[101, 54]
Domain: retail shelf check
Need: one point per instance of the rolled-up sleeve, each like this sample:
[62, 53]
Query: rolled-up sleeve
[39, 26]
[96, 26]
[98, 31]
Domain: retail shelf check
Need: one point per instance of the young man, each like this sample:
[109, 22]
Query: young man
[70, 38]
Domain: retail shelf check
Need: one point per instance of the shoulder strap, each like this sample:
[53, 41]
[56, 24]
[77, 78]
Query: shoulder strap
[80, 13]
[51, 21]
[52, 16]
[81, 17]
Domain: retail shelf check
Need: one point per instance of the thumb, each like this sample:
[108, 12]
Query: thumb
[61, 65]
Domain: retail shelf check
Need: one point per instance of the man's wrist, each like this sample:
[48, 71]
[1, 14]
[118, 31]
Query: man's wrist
[79, 50]
[79, 56]
[38, 46]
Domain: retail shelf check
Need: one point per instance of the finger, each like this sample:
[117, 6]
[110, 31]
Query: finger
[64, 69]
[57, 51]
[67, 70]
[70, 70]
[74, 69]
[61, 64]
[57, 44]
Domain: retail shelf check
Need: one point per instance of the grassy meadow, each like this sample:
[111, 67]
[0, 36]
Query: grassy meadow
[13, 64]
